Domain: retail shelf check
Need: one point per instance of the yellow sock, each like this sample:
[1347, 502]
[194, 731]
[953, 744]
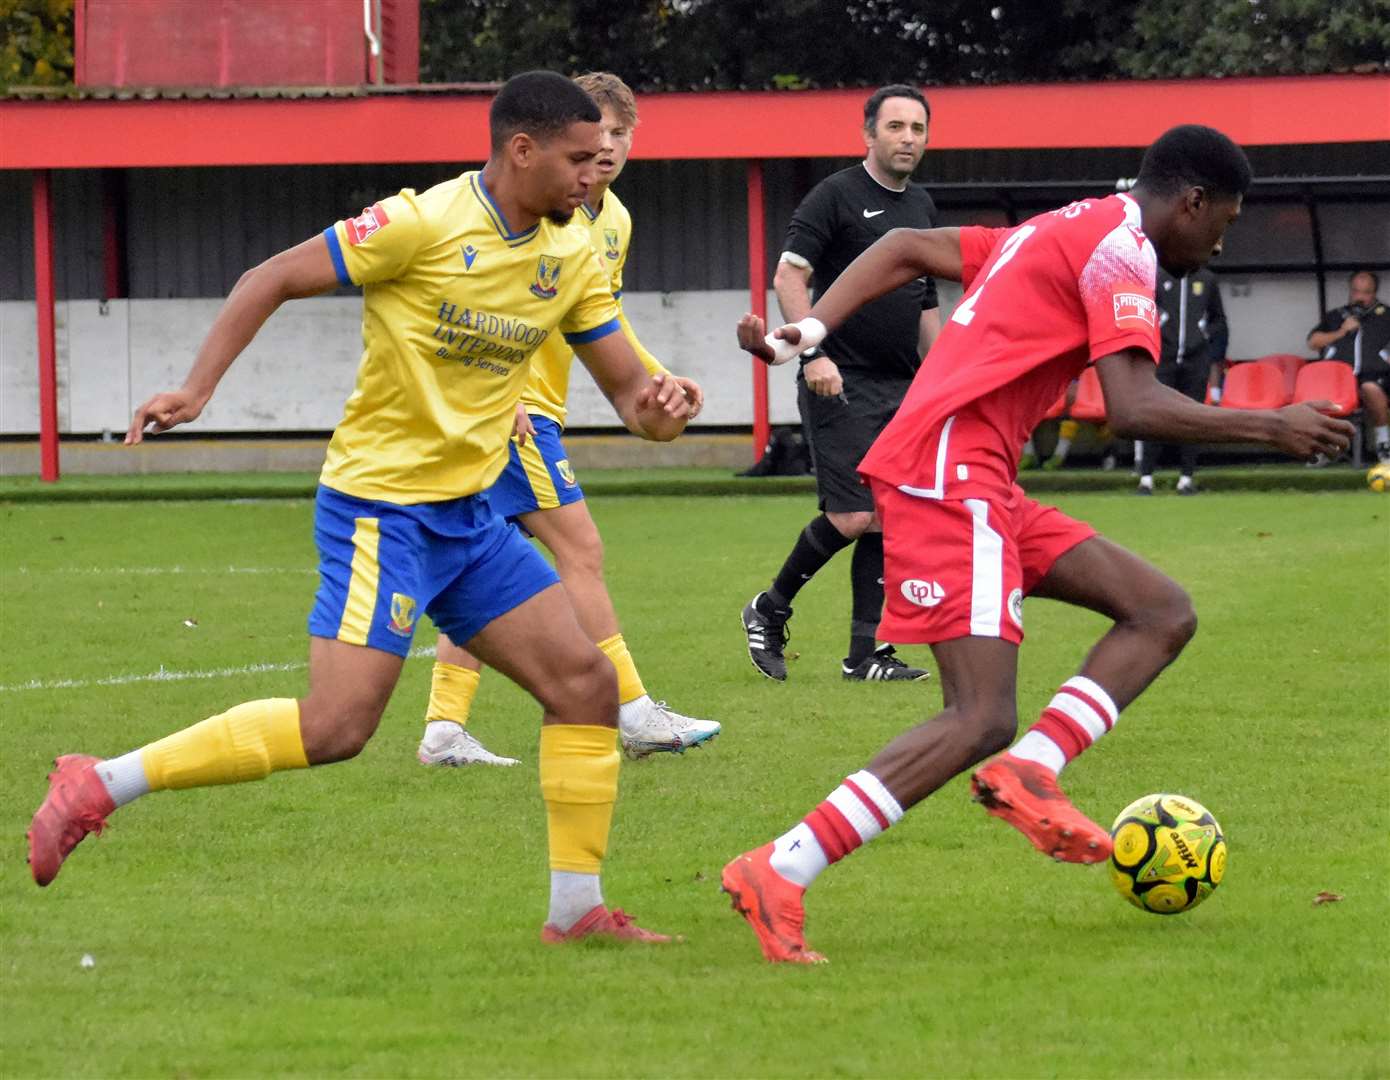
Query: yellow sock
[579, 782]
[451, 692]
[1068, 429]
[630, 686]
[244, 743]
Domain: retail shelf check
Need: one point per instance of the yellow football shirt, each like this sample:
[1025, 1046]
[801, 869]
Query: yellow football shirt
[609, 230]
[454, 305]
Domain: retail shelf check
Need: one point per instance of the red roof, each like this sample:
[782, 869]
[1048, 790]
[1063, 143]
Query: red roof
[313, 126]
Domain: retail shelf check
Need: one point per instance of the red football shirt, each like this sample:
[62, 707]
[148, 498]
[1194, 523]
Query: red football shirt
[1042, 301]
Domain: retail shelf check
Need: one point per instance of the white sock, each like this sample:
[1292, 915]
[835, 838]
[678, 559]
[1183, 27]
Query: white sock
[1037, 747]
[1382, 434]
[439, 731]
[798, 856]
[1184, 482]
[632, 713]
[1146, 482]
[572, 896]
[1062, 450]
[124, 778]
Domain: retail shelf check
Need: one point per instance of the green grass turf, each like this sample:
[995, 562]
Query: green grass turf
[380, 919]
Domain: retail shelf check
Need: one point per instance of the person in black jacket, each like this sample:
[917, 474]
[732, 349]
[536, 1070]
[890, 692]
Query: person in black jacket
[1358, 333]
[1194, 334]
[849, 388]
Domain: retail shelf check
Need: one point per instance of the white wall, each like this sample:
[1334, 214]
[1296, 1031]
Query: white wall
[299, 370]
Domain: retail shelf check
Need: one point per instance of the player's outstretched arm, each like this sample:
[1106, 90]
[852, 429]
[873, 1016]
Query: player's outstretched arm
[652, 406]
[1138, 406]
[891, 261]
[303, 270]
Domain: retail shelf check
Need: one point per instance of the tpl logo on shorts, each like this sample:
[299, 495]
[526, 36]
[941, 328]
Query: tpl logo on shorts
[922, 593]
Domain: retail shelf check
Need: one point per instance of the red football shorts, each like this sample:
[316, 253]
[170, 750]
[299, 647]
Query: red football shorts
[961, 567]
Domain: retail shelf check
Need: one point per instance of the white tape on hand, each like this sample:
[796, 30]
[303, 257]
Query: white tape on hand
[812, 334]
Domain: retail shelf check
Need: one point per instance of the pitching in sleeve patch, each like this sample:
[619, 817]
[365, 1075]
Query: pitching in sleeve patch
[371, 220]
[1134, 309]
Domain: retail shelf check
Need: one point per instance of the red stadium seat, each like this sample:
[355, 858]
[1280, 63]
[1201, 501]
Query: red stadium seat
[1329, 380]
[1289, 365]
[1090, 401]
[1254, 385]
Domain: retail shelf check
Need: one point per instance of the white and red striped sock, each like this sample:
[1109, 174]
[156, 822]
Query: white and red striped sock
[856, 811]
[1078, 714]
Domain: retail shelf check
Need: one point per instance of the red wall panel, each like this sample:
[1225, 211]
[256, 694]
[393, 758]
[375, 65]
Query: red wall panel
[221, 43]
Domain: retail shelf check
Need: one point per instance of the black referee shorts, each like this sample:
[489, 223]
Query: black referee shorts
[840, 432]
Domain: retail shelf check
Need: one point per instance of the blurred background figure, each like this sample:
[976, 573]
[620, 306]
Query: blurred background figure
[1358, 333]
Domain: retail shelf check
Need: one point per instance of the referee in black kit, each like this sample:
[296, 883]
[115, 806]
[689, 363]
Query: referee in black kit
[849, 388]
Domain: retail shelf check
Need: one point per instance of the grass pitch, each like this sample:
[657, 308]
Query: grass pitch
[380, 919]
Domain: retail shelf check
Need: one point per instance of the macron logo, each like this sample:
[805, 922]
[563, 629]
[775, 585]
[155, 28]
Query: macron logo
[922, 593]
[874, 213]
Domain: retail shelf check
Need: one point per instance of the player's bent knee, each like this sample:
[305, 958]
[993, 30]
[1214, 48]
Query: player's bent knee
[336, 731]
[584, 691]
[1174, 619]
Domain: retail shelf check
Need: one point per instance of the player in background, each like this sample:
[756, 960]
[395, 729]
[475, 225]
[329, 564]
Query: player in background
[848, 391]
[538, 489]
[964, 545]
[460, 284]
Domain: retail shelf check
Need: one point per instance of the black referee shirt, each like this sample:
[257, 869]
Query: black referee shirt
[843, 215]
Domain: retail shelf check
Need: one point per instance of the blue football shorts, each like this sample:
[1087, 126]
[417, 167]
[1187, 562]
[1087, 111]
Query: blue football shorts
[381, 564]
[538, 476]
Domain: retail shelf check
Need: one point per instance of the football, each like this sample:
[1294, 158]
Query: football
[1378, 477]
[1170, 854]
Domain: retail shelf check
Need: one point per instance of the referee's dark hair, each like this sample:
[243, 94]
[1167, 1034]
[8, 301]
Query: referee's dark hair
[540, 103]
[882, 94]
[1194, 156]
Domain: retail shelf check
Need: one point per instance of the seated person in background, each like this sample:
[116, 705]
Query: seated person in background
[1193, 334]
[1358, 333]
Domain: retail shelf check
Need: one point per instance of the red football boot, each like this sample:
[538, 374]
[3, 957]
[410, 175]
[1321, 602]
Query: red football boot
[76, 804]
[771, 905]
[1026, 795]
[602, 923]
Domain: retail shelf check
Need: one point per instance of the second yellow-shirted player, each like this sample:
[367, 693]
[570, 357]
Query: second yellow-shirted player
[539, 490]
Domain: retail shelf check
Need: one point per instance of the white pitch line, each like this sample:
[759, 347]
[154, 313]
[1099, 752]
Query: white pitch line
[115, 571]
[163, 675]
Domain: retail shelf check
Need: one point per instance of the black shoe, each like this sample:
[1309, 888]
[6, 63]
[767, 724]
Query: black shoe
[1188, 489]
[1143, 489]
[883, 665]
[1383, 453]
[767, 637]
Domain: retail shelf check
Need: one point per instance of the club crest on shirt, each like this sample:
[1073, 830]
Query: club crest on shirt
[402, 614]
[566, 472]
[1197, 287]
[1016, 607]
[547, 276]
[610, 243]
[1135, 310]
[372, 219]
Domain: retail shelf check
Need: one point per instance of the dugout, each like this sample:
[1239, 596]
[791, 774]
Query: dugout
[155, 202]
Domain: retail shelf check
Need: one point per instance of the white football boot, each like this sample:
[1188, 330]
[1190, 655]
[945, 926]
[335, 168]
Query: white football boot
[450, 744]
[650, 727]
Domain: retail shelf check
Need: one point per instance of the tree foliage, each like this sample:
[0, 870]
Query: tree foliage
[35, 42]
[732, 44]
